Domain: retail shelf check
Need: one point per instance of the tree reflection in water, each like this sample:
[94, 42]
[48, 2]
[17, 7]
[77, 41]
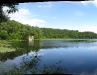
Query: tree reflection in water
[31, 66]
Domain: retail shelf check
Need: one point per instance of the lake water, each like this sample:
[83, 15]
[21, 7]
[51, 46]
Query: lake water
[78, 56]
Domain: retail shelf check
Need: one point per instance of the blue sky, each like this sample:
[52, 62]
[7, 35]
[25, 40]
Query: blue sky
[80, 16]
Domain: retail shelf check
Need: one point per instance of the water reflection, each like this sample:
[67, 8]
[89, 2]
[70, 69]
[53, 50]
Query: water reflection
[79, 55]
[66, 43]
[31, 43]
[36, 45]
[31, 64]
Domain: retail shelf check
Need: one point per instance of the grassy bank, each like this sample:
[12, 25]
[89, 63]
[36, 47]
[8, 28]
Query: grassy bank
[5, 46]
[4, 49]
[4, 43]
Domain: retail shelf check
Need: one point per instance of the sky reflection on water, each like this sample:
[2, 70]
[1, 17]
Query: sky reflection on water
[77, 57]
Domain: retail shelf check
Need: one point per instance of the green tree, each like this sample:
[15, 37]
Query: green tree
[3, 34]
[12, 9]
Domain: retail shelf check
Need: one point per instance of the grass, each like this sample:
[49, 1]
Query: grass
[4, 49]
[5, 46]
[4, 41]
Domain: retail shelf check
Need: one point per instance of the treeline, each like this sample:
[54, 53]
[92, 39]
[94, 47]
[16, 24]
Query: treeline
[13, 30]
[67, 34]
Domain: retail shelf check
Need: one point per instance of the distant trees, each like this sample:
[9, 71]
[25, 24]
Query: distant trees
[67, 34]
[13, 30]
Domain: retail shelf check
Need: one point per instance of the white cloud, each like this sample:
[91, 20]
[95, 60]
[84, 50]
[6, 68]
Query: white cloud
[47, 5]
[48, 17]
[24, 16]
[39, 6]
[79, 13]
[44, 6]
[85, 3]
[91, 1]
[5, 9]
[89, 28]
[53, 17]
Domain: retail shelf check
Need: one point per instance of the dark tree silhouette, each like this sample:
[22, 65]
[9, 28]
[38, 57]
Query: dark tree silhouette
[12, 9]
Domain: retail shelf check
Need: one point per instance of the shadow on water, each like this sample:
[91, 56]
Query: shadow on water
[26, 47]
[32, 66]
[20, 49]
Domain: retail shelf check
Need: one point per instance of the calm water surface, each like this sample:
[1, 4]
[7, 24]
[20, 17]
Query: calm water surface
[78, 56]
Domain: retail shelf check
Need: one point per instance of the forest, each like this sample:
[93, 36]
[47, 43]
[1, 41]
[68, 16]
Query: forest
[13, 30]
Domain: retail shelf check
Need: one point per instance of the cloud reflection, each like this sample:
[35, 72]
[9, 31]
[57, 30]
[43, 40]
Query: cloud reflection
[86, 73]
[34, 53]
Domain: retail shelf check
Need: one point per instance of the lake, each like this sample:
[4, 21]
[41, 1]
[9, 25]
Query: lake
[78, 56]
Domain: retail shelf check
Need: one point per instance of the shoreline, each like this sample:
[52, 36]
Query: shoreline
[9, 41]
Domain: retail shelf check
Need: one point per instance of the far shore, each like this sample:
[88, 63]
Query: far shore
[9, 41]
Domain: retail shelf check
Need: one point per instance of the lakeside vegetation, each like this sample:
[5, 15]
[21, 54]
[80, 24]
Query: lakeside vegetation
[13, 30]
[4, 49]
[5, 46]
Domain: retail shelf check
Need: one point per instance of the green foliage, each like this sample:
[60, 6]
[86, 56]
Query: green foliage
[5, 49]
[13, 30]
[12, 9]
[3, 34]
[66, 34]
[18, 31]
